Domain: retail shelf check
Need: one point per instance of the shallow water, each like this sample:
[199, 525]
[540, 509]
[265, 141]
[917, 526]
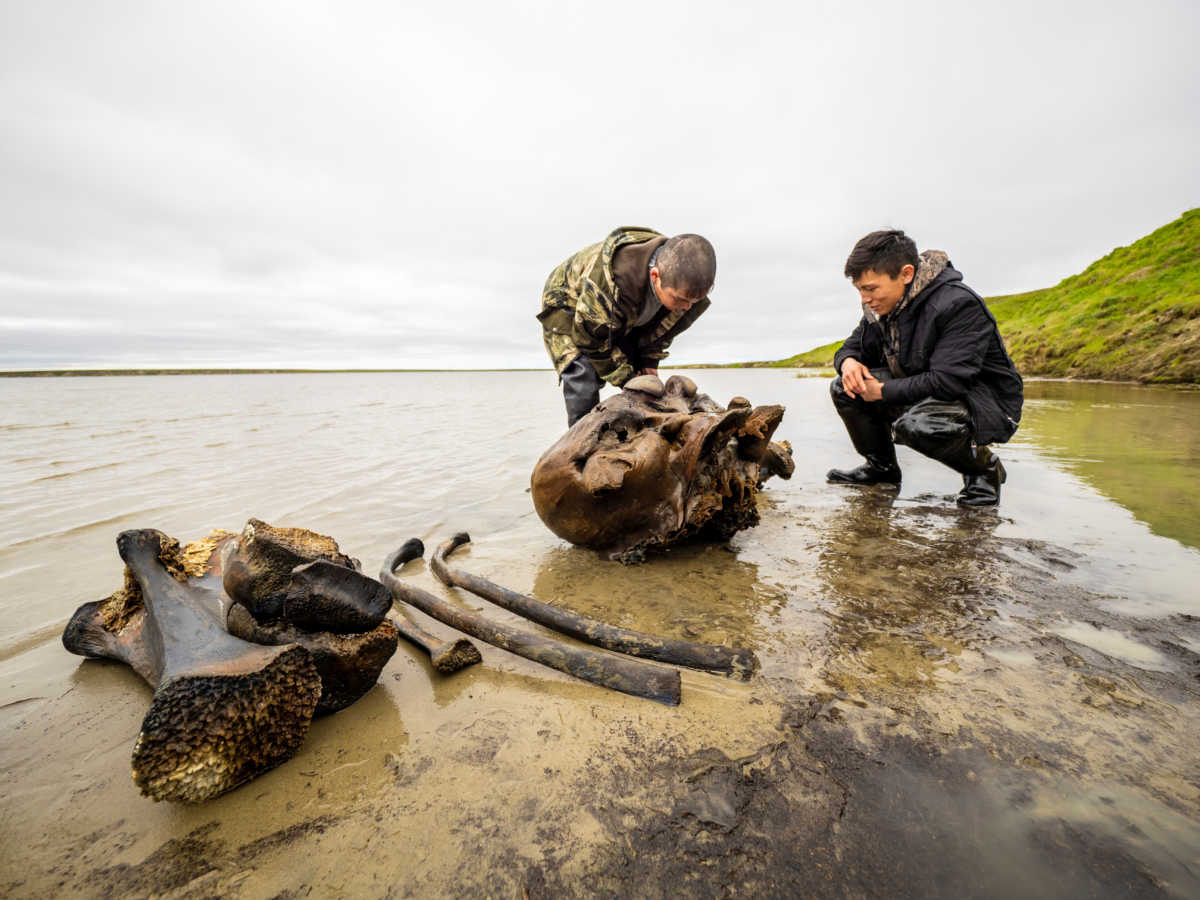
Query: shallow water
[1046, 653]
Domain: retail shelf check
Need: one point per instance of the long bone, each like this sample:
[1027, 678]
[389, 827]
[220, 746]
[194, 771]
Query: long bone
[711, 657]
[445, 656]
[224, 710]
[625, 675]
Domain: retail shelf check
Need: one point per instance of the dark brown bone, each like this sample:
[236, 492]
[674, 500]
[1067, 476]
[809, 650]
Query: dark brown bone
[713, 658]
[334, 612]
[224, 710]
[258, 573]
[625, 675]
[445, 656]
[325, 596]
[655, 465]
[349, 664]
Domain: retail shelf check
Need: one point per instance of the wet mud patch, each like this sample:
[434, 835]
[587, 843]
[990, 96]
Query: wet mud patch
[952, 821]
[818, 813]
[199, 864]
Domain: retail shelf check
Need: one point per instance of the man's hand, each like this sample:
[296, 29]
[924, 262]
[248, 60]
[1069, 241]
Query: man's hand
[854, 375]
[648, 371]
[872, 390]
[858, 381]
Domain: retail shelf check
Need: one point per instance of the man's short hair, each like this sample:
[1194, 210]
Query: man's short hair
[886, 252]
[687, 263]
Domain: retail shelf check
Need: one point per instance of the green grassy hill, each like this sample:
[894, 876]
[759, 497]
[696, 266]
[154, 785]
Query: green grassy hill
[1135, 314]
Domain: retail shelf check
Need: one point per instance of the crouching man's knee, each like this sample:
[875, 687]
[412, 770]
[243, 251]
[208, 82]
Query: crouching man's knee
[933, 427]
[838, 393]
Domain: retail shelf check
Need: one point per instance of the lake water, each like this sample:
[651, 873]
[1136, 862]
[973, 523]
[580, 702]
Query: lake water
[881, 605]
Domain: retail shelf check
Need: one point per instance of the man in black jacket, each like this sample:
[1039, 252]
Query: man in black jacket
[926, 367]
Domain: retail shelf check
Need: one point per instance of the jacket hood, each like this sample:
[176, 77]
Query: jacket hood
[933, 263]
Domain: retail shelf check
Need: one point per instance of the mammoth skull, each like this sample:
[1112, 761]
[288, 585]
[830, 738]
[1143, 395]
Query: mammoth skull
[657, 464]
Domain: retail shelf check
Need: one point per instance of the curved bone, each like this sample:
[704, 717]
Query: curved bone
[711, 657]
[349, 664]
[223, 710]
[625, 675]
[445, 656]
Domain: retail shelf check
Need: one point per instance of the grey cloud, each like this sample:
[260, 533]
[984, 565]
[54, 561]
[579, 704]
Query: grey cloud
[321, 185]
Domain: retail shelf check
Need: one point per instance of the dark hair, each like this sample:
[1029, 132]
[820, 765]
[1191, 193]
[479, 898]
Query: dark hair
[882, 251]
[687, 263]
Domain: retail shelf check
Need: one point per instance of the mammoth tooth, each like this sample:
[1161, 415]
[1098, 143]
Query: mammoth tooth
[301, 577]
[680, 386]
[224, 710]
[258, 567]
[647, 384]
[323, 596]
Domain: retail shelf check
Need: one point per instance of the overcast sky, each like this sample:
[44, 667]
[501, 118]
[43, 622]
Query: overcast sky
[388, 184]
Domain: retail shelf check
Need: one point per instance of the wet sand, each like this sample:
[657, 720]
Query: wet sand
[952, 703]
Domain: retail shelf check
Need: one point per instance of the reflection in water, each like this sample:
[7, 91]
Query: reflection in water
[1137, 445]
[905, 586]
[700, 592]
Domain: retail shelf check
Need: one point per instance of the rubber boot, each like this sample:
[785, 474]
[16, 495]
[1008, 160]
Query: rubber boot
[981, 487]
[874, 471]
[871, 435]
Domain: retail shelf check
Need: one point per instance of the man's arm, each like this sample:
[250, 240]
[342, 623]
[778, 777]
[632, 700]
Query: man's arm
[852, 347]
[595, 324]
[957, 358]
[848, 363]
[656, 338]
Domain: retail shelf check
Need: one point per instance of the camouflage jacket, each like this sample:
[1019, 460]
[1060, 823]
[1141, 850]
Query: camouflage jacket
[583, 313]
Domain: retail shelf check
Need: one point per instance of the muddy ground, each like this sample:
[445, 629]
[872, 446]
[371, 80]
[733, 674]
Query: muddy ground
[951, 704]
[918, 729]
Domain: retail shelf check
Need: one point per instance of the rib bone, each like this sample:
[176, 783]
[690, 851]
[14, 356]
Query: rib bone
[730, 661]
[626, 675]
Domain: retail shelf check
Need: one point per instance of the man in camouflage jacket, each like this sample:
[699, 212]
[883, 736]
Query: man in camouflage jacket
[610, 311]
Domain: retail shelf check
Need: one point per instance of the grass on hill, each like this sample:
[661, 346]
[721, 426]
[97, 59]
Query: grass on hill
[1133, 315]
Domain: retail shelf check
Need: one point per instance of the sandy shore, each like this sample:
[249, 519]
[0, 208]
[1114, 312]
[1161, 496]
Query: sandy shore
[951, 703]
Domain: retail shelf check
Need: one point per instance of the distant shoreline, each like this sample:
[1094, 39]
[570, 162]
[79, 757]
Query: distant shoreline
[77, 373]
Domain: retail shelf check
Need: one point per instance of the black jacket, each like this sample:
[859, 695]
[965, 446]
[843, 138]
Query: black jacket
[950, 349]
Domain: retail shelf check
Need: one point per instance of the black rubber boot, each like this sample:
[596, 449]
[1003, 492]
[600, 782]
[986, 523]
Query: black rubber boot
[581, 388]
[871, 433]
[982, 487]
[874, 471]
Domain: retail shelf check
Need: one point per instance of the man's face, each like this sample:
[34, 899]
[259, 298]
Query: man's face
[880, 291]
[669, 297]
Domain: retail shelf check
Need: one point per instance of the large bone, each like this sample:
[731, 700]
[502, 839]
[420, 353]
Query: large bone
[625, 675]
[334, 612]
[349, 664]
[711, 657]
[224, 710]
